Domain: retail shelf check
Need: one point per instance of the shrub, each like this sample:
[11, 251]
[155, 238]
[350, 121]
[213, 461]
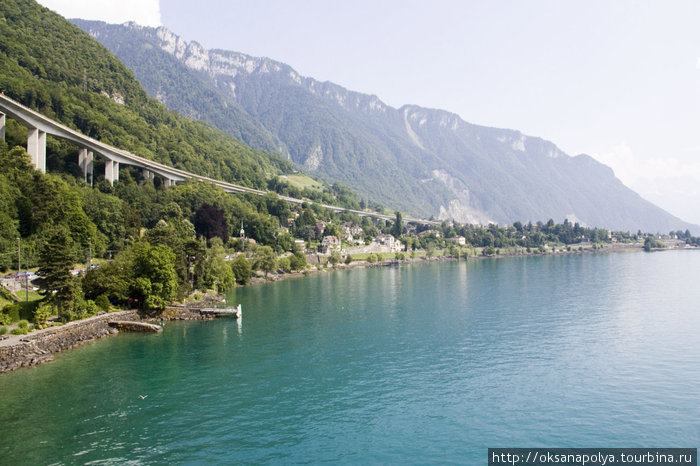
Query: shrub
[400, 256]
[19, 331]
[23, 324]
[372, 258]
[297, 261]
[5, 319]
[283, 263]
[12, 310]
[348, 259]
[102, 301]
[3, 330]
[85, 309]
[42, 313]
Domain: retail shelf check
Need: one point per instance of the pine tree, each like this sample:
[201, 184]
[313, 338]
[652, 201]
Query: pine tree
[55, 262]
[397, 229]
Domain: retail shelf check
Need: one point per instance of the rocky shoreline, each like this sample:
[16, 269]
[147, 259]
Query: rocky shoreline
[38, 347]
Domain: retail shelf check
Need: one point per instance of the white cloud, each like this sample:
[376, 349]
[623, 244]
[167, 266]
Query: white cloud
[143, 12]
[697, 64]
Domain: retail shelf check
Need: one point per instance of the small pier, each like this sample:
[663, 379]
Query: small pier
[235, 312]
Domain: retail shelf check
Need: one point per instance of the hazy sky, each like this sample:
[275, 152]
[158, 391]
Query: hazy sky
[618, 80]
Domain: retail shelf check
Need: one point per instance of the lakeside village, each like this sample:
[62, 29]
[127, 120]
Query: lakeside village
[48, 296]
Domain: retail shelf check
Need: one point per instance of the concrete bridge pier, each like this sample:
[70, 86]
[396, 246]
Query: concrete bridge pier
[2, 126]
[148, 174]
[36, 148]
[85, 162]
[169, 181]
[111, 171]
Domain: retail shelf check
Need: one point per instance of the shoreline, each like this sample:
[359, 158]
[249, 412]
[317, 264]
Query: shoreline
[38, 347]
[361, 264]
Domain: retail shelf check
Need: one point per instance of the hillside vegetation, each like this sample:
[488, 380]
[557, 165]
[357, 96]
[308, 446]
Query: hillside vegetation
[51, 66]
[422, 161]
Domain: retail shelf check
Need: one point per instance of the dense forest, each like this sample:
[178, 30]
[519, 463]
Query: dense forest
[52, 66]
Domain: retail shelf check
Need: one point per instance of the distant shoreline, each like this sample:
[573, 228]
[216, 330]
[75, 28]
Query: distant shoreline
[362, 264]
[38, 347]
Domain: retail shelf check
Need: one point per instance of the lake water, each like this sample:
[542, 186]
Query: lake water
[431, 363]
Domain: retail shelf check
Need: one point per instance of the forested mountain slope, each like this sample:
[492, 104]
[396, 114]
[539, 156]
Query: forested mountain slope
[52, 66]
[423, 161]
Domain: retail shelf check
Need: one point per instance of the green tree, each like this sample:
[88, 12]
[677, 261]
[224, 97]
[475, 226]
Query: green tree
[334, 258]
[242, 269]
[195, 256]
[165, 234]
[332, 229]
[55, 262]
[652, 243]
[397, 229]
[297, 261]
[155, 280]
[221, 276]
[284, 242]
[283, 264]
[111, 280]
[264, 259]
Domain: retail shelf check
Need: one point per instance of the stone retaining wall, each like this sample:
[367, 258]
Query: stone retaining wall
[38, 347]
[181, 313]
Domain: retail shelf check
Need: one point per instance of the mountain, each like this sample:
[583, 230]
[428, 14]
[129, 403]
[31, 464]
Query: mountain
[424, 161]
[52, 66]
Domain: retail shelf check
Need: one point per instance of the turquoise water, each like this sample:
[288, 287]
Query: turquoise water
[431, 363]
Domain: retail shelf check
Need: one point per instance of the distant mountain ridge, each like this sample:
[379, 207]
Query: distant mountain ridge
[424, 161]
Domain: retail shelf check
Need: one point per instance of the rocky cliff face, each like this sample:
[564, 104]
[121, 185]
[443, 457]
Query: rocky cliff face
[424, 161]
